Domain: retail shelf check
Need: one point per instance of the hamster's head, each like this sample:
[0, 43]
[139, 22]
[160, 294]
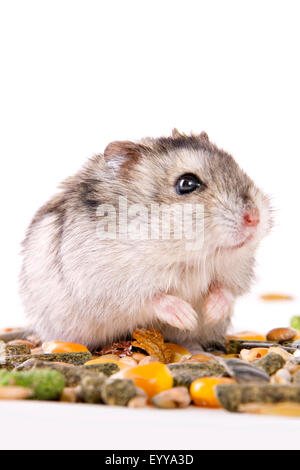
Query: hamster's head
[188, 171]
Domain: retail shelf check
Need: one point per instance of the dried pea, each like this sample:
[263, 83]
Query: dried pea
[295, 322]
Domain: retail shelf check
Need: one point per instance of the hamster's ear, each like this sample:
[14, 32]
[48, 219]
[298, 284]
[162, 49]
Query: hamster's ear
[176, 133]
[204, 136]
[120, 155]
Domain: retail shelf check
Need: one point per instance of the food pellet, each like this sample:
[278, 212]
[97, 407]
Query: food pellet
[252, 372]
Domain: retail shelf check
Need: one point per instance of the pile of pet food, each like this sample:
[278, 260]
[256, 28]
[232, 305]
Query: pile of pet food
[253, 373]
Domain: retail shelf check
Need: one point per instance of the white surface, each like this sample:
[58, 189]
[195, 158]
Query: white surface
[65, 426]
[76, 75]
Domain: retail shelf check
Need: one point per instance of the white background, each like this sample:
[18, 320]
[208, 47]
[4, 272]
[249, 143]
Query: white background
[76, 75]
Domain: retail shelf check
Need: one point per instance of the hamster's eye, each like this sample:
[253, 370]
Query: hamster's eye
[187, 183]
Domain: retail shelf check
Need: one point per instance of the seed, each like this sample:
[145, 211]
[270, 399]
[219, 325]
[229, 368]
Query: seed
[281, 334]
[234, 346]
[243, 371]
[250, 355]
[203, 390]
[176, 397]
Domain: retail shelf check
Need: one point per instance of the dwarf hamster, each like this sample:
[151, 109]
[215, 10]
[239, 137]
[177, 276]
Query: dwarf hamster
[90, 274]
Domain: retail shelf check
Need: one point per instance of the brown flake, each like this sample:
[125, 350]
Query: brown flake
[121, 349]
[153, 343]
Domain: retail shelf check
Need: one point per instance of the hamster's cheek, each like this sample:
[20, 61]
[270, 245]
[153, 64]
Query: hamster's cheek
[265, 210]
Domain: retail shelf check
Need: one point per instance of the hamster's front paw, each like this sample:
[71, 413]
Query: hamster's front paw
[218, 305]
[175, 311]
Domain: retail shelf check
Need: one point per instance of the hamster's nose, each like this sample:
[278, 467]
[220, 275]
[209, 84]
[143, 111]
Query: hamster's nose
[251, 217]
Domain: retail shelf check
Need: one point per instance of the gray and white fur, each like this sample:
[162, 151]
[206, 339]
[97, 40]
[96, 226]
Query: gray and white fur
[78, 287]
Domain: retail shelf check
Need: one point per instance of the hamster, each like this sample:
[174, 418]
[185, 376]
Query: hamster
[90, 282]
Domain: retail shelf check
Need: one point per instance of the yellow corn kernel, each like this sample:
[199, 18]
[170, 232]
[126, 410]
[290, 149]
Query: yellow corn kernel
[62, 347]
[202, 391]
[247, 335]
[153, 378]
